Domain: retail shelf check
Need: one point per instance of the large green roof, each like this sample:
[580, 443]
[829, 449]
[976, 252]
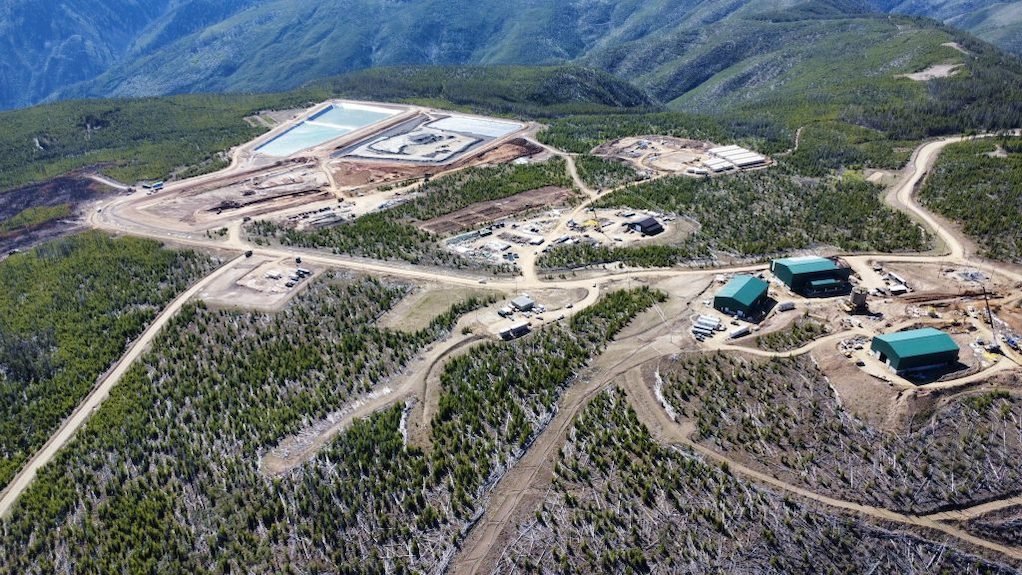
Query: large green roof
[807, 264]
[745, 289]
[916, 342]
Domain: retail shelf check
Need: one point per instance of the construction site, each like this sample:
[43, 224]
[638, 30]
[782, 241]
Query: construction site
[260, 283]
[955, 322]
[874, 346]
[307, 167]
[652, 155]
[508, 239]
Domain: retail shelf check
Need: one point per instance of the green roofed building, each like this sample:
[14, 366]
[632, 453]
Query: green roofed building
[743, 296]
[915, 349]
[812, 275]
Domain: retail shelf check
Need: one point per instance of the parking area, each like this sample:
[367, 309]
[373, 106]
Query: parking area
[265, 284]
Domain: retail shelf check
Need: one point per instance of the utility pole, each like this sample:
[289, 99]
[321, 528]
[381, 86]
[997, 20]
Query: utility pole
[994, 345]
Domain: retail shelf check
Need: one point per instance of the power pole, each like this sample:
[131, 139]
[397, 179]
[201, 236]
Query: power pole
[990, 317]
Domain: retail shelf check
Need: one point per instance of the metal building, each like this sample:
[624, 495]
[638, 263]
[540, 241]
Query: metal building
[743, 296]
[515, 331]
[812, 275]
[523, 303]
[916, 349]
[647, 226]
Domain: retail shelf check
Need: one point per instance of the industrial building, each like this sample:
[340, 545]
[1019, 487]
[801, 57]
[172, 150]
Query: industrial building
[648, 226]
[717, 165]
[812, 275]
[523, 303]
[916, 349]
[515, 331]
[727, 158]
[743, 296]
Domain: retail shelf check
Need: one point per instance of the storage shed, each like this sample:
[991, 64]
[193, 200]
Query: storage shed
[915, 349]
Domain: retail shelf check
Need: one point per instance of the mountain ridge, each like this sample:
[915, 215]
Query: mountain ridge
[125, 48]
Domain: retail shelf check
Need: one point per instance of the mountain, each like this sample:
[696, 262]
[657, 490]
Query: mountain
[279, 44]
[45, 46]
[131, 48]
[999, 23]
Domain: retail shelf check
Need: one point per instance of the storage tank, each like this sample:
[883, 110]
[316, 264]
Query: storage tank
[858, 298]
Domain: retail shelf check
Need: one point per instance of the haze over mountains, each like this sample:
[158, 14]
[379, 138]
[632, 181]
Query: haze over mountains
[669, 47]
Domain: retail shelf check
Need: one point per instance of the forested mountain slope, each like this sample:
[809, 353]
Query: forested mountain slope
[47, 46]
[997, 22]
[280, 44]
[102, 48]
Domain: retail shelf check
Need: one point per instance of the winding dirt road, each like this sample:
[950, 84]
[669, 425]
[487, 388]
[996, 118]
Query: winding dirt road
[530, 479]
[670, 432]
[902, 196]
[622, 359]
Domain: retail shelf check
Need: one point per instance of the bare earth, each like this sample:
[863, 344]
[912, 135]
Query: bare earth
[934, 72]
[661, 331]
[472, 216]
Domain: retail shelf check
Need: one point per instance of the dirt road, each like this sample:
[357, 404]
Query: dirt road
[669, 432]
[525, 480]
[902, 196]
[528, 479]
[976, 511]
[522, 488]
[85, 409]
[411, 383]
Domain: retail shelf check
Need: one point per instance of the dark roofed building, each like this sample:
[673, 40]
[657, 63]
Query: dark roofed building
[812, 275]
[515, 331]
[523, 303]
[647, 226]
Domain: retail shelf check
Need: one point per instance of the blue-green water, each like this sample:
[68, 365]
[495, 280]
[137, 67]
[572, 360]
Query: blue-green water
[327, 125]
[350, 117]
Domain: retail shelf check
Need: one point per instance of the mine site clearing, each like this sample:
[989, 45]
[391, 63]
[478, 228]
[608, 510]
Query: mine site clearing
[358, 152]
[382, 133]
[945, 305]
[652, 155]
[337, 150]
[261, 283]
[303, 159]
[297, 185]
[508, 239]
[941, 340]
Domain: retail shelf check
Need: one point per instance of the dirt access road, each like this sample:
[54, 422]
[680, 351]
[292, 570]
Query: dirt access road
[412, 383]
[526, 482]
[508, 496]
[85, 409]
[522, 489]
[670, 432]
